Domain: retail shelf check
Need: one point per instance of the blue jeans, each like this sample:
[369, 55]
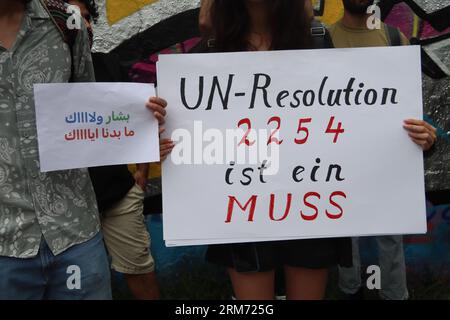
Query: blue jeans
[80, 273]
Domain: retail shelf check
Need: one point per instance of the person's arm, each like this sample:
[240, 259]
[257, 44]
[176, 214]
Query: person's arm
[141, 175]
[165, 146]
[309, 9]
[421, 132]
[158, 107]
[404, 40]
[205, 16]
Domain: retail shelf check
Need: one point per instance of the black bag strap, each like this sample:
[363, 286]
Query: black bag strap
[321, 38]
[57, 10]
[393, 35]
[319, 33]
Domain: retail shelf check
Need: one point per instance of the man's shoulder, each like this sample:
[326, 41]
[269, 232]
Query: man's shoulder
[336, 29]
[394, 35]
[332, 27]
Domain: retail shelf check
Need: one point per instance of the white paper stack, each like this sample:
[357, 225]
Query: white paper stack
[346, 166]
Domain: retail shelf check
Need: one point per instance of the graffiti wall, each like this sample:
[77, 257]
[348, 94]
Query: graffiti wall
[426, 23]
[121, 21]
[137, 31]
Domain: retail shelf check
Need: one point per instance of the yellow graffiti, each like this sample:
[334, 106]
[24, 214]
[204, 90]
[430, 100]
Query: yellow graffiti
[118, 9]
[334, 10]
[416, 27]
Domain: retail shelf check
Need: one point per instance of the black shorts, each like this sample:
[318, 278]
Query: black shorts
[268, 256]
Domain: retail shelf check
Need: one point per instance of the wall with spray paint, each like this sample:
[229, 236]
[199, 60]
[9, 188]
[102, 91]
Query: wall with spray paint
[138, 31]
[426, 23]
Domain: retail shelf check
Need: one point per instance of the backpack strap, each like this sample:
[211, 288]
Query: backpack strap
[57, 10]
[321, 38]
[393, 36]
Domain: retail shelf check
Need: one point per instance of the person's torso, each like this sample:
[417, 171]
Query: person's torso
[59, 205]
[344, 37]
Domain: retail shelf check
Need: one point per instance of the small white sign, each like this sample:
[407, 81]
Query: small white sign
[95, 124]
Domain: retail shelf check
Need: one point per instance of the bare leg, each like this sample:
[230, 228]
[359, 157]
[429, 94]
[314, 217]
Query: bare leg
[253, 286]
[305, 284]
[143, 286]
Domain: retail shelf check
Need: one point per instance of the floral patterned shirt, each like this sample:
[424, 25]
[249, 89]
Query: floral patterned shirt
[59, 206]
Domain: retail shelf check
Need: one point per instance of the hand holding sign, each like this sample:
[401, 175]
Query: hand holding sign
[158, 107]
[421, 132]
[97, 124]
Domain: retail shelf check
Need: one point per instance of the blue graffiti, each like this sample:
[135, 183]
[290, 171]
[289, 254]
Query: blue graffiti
[440, 131]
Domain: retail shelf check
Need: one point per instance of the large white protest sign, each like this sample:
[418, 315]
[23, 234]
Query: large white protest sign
[292, 144]
[94, 124]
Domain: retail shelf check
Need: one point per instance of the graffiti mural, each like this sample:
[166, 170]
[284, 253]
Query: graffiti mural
[116, 10]
[137, 31]
[426, 23]
[123, 21]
